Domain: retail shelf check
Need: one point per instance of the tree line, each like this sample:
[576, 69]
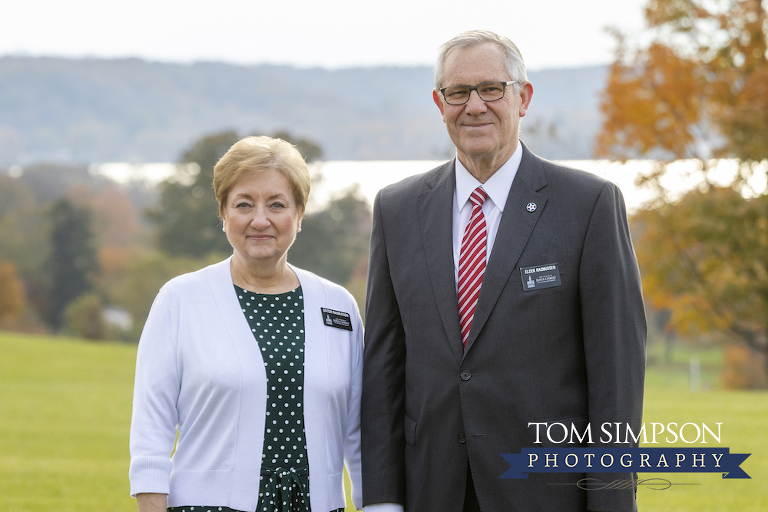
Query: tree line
[75, 248]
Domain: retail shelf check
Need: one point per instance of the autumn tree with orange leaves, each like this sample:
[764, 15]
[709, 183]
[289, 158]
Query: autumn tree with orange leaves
[705, 260]
[699, 91]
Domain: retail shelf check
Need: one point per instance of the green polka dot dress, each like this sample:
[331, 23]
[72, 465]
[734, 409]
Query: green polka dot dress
[277, 323]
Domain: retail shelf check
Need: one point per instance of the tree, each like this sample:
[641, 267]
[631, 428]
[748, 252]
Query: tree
[144, 276]
[705, 260]
[187, 213]
[22, 229]
[84, 318]
[11, 294]
[308, 149]
[116, 220]
[72, 263]
[333, 240]
[698, 90]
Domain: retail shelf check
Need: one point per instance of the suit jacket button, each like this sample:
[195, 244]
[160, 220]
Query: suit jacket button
[465, 375]
[462, 438]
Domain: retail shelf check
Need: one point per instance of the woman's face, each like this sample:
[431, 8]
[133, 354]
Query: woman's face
[261, 217]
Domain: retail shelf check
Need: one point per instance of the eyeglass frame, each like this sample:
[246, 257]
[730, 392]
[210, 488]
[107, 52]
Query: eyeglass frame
[475, 88]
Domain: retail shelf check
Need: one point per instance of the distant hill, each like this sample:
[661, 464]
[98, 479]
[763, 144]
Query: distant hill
[99, 110]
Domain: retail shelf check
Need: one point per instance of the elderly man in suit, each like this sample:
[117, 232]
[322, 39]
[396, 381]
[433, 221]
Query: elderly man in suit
[503, 290]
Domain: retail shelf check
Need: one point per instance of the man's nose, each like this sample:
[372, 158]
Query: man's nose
[475, 103]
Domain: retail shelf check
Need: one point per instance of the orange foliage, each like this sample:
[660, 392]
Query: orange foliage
[699, 89]
[746, 120]
[11, 294]
[652, 102]
[743, 369]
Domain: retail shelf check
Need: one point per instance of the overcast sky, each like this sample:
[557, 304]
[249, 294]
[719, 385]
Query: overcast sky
[325, 33]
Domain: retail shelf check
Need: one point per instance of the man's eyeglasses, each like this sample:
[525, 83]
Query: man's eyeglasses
[488, 91]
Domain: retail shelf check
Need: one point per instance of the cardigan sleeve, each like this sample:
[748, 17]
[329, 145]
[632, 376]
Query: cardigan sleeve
[156, 391]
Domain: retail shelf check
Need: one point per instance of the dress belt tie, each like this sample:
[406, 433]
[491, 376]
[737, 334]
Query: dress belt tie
[288, 488]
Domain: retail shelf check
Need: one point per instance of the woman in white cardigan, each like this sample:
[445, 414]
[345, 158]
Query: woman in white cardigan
[255, 363]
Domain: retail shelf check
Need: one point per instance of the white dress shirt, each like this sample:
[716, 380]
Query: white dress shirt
[497, 187]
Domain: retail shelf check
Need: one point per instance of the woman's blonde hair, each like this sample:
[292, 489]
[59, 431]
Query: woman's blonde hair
[258, 154]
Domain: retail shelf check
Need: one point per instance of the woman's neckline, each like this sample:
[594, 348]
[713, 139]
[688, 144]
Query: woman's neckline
[246, 290]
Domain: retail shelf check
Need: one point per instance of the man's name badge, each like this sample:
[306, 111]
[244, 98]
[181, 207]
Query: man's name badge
[540, 276]
[337, 319]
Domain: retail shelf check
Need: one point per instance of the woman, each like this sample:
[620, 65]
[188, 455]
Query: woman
[257, 363]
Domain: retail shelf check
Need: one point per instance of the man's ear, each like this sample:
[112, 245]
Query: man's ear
[438, 101]
[526, 95]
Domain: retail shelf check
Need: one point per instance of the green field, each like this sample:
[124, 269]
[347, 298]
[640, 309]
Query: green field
[65, 411]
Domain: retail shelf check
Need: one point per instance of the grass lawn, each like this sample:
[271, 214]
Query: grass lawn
[65, 412]
[65, 408]
[744, 418]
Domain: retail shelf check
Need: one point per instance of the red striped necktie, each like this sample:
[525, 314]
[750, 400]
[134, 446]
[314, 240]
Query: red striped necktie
[471, 263]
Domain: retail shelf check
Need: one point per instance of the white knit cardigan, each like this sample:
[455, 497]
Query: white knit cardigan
[199, 370]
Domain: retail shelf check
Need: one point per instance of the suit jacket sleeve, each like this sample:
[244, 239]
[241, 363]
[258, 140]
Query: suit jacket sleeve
[614, 334]
[382, 408]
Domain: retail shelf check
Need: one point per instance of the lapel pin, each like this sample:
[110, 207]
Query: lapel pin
[531, 207]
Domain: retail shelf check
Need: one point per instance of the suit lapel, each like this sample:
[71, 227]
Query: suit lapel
[435, 207]
[515, 229]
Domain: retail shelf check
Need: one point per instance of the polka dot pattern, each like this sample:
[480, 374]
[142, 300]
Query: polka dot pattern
[277, 323]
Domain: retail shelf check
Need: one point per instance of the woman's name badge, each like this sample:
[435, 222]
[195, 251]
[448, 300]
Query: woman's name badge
[337, 319]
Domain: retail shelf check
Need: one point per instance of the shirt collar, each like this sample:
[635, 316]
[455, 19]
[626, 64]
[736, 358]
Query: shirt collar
[497, 187]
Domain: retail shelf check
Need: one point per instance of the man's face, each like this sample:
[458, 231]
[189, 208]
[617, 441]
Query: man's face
[482, 130]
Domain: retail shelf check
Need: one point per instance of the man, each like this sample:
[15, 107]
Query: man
[503, 290]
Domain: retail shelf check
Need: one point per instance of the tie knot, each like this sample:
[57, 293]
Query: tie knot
[478, 196]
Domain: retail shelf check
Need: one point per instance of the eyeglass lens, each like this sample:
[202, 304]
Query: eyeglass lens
[459, 94]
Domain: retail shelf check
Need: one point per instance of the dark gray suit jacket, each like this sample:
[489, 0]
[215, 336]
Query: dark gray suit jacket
[573, 353]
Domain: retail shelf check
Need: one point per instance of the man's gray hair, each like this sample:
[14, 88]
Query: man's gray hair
[513, 59]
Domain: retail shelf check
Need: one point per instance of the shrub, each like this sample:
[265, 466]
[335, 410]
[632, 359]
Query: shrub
[744, 369]
[85, 318]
